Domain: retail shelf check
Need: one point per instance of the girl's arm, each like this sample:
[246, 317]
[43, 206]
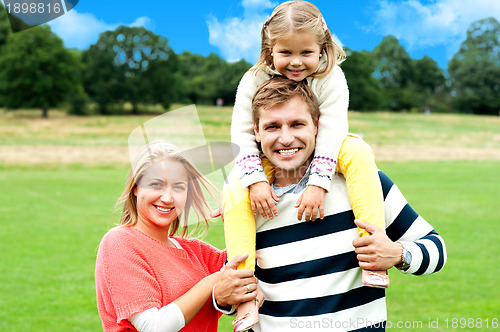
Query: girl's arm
[248, 162]
[333, 97]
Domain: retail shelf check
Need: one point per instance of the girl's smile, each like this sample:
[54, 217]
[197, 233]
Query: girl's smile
[297, 55]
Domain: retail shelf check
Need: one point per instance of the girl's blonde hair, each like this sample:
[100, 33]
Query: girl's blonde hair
[156, 151]
[293, 16]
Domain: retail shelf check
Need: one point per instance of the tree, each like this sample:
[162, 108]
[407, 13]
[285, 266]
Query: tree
[393, 69]
[429, 84]
[130, 64]
[204, 79]
[8, 23]
[232, 76]
[475, 69]
[36, 70]
[427, 75]
[364, 90]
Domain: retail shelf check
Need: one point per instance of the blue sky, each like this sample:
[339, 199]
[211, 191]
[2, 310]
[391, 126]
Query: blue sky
[231, 28]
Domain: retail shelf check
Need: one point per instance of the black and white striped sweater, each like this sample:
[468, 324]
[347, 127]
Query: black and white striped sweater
[309, 273]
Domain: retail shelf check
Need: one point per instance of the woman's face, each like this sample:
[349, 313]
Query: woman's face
[161, 196]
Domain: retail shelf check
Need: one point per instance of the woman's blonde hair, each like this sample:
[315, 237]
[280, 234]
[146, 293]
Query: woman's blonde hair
[156, 151]
[293, 16]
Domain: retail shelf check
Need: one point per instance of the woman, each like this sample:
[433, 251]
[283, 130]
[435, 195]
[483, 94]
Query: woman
[147, 279]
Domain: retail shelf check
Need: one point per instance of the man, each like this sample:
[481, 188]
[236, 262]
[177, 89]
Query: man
[310, 272]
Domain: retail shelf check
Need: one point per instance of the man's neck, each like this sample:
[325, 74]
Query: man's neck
[284, 178]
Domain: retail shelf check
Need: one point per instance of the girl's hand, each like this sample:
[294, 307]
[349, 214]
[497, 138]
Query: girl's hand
[311, 200]
[263, 199]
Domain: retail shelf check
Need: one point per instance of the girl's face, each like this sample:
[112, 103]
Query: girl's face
[161, 196]
[297, 55]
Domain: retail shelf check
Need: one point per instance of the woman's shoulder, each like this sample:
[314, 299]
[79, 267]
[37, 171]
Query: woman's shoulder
[118, 236]
[117, 232]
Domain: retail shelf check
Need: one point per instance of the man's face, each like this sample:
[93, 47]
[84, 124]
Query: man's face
[287, 134]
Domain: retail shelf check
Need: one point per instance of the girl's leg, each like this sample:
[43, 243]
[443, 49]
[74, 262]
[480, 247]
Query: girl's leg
[364, 189]
[239, 221]
[357, 164]
[240, 232]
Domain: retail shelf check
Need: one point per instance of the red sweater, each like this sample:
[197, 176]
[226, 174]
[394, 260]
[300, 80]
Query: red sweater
[135, 272]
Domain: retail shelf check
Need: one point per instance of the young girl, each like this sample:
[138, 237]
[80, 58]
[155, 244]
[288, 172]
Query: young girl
[297, 44]
[146, 278]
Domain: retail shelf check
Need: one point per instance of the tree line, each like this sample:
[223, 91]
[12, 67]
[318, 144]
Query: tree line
[134, 66]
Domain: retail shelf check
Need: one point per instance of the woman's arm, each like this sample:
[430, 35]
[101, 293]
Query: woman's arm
[176, 315]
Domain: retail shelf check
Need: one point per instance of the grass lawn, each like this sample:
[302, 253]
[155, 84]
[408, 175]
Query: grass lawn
[53, 220]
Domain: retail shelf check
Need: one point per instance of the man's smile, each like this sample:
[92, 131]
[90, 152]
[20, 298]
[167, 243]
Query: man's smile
[288, 152]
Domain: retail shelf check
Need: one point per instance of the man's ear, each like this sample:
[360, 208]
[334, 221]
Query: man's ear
[256, 131]
[316, 123]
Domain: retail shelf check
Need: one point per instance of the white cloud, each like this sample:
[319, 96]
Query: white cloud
[80, 30]
[439, 22]
[239, 38]
[143, 21]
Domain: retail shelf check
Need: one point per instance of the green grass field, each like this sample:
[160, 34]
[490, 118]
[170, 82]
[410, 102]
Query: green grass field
[53, 217]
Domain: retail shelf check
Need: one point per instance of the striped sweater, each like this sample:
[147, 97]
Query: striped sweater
[309, 273]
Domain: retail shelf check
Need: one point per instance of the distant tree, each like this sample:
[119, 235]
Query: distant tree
[78, 100]
[231, 78]
[125, 65]
[475, 69]
[429, 85]
[190, 66]
[205, 79]
[208, 81]
[7, 22]
[393, 69]
[364, 90]
[36, 71]
[4, 25]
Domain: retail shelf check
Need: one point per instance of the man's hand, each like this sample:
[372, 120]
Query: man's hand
[311, 201]
[235, 286]
[263, 199]
[376, 252]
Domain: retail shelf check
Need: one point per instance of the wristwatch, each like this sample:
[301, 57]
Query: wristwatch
[405, 257]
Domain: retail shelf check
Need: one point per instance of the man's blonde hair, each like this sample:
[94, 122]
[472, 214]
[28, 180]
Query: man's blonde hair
[278, 90]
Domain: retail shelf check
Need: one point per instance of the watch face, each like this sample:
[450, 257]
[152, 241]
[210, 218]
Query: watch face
[407, 258]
